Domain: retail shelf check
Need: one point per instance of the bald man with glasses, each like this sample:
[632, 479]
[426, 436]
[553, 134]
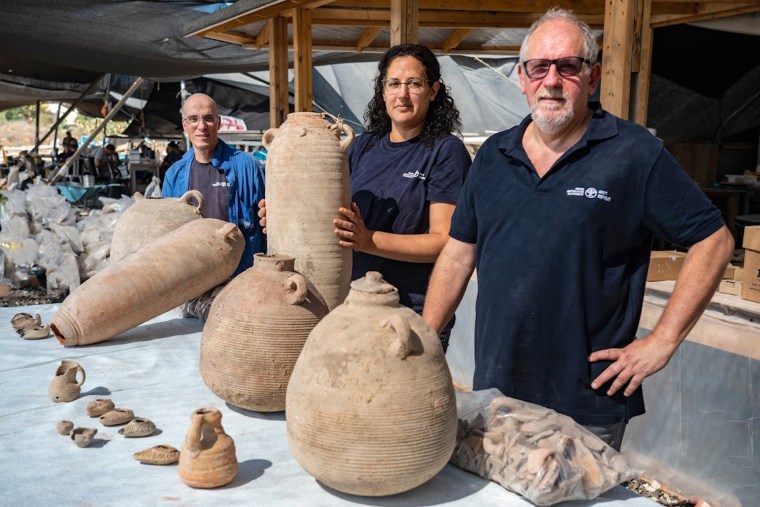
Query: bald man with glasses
[231, 181]
[558, 215]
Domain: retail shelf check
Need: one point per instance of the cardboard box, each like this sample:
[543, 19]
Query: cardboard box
[730, 287]
[751, 279]
[664, 265]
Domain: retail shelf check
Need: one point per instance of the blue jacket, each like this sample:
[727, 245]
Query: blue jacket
[245, 176]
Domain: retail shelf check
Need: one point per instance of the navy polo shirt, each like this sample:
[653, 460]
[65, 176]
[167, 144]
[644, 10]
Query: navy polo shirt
[393, 184]
[562, 260]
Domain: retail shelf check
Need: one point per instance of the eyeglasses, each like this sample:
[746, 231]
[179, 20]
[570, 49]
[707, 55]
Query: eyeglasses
[570, 66]
[208, 119]
[414, 85]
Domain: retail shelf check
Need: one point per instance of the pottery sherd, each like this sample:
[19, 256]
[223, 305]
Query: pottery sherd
[64, 427]
[138, 427]
[82, 437]
[116, 416]
[158, 455]
[100, 406]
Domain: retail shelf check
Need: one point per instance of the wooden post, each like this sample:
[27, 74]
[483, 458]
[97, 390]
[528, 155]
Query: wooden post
[302, 59]
[616, 59]
[278, 71]
[404, 21]
[642, 66]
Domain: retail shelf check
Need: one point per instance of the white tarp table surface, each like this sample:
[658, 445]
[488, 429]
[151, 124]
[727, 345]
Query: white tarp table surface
[153, 369]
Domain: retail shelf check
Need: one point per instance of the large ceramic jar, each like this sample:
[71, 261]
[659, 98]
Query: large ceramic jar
[207, 458]
[148, 219]
[171, 270]
[307, 181]
[255, 331]
[370, 404]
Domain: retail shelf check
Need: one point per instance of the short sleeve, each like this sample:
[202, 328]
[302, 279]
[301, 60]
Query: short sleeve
[447, 176]
[675, 208]
[464, 222]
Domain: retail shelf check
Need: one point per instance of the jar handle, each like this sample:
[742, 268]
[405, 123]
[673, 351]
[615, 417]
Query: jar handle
[138, 196]
[297, 289]
[345, 143]
[404, 343]
[268, 137]
[187, 196]
[84, 376]
[226, 231]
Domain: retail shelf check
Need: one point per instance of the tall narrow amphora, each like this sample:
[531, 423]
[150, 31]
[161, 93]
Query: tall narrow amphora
[307, 181]
[255, 331]
[160, 276]
[207, 458]
[148, 219]
[370, 404]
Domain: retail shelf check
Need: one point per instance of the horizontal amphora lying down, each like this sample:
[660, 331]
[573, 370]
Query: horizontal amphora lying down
[161, 275]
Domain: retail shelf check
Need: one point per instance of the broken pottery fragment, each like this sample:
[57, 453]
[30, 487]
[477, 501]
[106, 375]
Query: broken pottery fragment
[20, 321]
[100, 406]
[64, 386]
[82, 437]
[36, 333]
[138, 427]
[158, 455]
[116, 416]
[64, 427]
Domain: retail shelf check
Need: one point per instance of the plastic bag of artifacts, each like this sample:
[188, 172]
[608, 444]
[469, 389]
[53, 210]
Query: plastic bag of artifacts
[533, 451]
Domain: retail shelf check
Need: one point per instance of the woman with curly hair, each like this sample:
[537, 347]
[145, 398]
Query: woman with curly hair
[406, 173]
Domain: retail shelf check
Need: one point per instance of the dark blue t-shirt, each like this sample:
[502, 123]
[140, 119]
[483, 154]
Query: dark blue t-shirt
[393, 184]
[562, 260]
[212, 183]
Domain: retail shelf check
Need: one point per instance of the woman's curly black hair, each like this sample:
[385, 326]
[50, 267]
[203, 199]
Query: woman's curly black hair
[442, 117]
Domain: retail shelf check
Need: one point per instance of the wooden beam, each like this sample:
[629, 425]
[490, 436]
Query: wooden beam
[252, 11]
[367, 37]
[338, 45]
[263, 36]
[278, 71]
[704, 12]
[616, 57]
[404, 21]
[232, 37]
[302, 60]
[438, 19]
[577, 6]
[454, 39]
[642, 66]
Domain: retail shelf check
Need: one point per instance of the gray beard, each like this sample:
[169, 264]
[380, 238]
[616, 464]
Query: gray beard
[552, 124]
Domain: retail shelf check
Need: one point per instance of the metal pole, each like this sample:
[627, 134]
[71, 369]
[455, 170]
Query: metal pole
[75, 104]
[65, 168]
[55, 134]
[182, 94]
[37, 129]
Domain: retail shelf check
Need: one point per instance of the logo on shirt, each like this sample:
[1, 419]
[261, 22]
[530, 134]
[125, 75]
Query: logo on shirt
[221, 184]
[415, 174]
[590, 193]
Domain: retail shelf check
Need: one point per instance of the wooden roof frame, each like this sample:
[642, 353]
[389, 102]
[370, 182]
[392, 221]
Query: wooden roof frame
[627, 25]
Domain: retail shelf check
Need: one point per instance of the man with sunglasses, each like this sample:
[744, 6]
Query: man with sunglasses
[558, 215]
[231, 181]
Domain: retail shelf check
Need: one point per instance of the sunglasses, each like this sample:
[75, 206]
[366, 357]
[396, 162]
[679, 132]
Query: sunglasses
[208, 119]
[570, 66]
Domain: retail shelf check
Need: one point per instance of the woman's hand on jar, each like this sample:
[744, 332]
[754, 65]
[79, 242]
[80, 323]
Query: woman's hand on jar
[262, 214]
[351, 231]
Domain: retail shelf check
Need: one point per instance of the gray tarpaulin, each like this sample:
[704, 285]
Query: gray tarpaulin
[153, 369]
